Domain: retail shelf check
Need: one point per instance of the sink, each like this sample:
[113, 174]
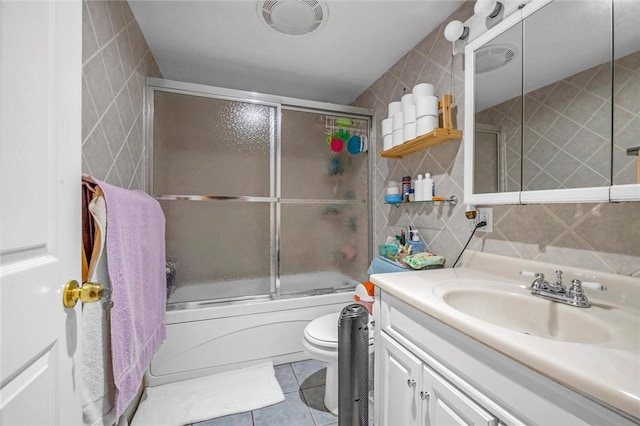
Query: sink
[512, 307]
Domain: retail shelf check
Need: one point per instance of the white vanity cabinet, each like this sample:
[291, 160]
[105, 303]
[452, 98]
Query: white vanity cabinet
[429, 373]
[412, 393]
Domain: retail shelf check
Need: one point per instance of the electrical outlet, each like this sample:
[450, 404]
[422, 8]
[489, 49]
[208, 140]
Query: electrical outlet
[485, 214]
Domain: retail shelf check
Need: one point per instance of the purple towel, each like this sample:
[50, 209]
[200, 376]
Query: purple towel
[136, 261]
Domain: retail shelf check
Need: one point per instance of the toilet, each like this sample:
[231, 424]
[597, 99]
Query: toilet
[321, 342]
[320, 339]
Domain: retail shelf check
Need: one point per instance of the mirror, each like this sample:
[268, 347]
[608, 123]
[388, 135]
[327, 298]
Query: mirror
[498, 102]
[566, 141]
[543, 126]
[626, 89]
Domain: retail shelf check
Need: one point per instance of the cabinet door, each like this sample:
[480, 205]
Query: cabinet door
[399, 384]
[445, 405]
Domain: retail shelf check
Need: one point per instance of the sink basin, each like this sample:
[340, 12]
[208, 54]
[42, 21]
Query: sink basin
[514, 308]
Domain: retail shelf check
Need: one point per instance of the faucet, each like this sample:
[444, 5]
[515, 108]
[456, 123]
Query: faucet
[557, 292]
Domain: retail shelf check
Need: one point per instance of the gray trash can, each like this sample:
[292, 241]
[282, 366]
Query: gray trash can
[353, 366]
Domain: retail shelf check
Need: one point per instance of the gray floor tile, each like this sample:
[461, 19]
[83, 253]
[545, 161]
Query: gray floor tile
[310, 373]
[241, 419]
[286, 378]
[315, 401]
[291, 412]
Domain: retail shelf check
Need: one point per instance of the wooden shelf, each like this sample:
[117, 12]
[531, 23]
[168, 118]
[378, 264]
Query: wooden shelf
[435, 137]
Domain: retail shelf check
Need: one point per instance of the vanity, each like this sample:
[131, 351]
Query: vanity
[472, 345]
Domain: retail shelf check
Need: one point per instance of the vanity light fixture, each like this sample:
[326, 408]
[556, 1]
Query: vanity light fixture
[487, 13]
[487, 8]
[456, 30]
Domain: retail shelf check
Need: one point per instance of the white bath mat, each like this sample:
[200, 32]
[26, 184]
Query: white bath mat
[204, 398]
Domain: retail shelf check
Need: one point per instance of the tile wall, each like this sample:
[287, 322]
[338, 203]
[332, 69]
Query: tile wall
[604, 237]
[115, 62]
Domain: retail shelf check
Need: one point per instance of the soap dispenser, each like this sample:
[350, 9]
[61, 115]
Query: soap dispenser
[414, 242]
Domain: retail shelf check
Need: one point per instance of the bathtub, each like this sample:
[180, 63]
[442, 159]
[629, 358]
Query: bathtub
[216, 335]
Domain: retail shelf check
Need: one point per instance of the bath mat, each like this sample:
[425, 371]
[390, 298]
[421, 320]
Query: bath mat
[204, 398]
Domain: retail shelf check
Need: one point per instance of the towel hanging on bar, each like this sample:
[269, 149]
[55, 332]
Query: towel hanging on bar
[89, 188]
[136, 262]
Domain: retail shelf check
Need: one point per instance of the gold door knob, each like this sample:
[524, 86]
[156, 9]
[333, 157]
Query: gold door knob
[87, 293]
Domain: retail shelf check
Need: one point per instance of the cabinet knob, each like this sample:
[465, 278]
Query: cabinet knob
[411, 383]
[424, 395]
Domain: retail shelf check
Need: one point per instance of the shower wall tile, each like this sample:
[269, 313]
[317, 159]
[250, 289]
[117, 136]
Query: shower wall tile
[604, 237]
[116, 61]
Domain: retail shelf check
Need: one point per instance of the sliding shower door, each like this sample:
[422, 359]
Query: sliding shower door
[213, 167]
[258, 203]
[323, 208]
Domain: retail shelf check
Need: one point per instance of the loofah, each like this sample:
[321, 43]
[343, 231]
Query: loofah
[354, 144]
[337, 144]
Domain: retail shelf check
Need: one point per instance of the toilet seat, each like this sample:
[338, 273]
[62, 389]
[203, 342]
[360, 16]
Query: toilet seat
[323, 331]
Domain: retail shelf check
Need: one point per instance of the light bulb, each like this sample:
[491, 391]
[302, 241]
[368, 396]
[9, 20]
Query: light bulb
[487, 8]
[455, 30]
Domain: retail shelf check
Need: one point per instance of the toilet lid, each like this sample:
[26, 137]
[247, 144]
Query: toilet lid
[324, 331]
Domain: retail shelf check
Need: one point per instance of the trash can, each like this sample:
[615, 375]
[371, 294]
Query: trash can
[353, 366]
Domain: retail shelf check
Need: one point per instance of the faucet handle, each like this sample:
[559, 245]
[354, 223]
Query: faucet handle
[579, 298]
[594, 285]
[532, 274]
[558, 277]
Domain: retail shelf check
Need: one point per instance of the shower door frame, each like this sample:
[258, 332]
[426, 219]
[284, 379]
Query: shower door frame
[280, 103]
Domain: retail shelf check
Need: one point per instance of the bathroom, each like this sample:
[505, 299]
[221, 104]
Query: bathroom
[596, 236]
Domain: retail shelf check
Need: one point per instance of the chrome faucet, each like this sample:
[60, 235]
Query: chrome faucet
[557, 292]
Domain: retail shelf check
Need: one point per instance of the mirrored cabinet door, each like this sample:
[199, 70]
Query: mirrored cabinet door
[626, 92]
[498, 113]
[567, 102]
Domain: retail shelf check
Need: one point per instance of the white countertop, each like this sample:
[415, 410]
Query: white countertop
[608, 371]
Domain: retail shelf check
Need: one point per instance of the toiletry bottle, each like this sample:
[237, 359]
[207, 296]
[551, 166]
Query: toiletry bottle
[414, 242]
[419, 185]
[406, 186]
[393, 188]
[428, 189]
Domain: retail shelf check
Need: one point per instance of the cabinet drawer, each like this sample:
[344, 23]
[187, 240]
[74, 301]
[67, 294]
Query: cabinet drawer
[400, 321]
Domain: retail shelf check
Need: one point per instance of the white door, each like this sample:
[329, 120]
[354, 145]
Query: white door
[40, 129]
[399, 385]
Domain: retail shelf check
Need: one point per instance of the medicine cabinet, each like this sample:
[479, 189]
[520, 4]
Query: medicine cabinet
[552, 105]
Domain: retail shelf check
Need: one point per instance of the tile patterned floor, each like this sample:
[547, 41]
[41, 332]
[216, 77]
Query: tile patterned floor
[303, 386]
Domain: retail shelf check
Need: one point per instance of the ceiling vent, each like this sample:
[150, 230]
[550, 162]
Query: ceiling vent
[293, 17]
[494, 56]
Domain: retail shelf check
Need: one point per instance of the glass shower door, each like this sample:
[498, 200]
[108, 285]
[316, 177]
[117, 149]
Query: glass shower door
[323, 213]
[213, 172]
